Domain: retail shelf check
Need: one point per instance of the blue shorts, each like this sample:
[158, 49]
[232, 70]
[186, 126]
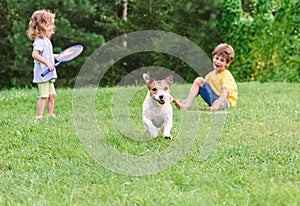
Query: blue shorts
[209, 96]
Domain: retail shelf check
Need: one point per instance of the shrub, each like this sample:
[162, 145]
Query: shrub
[265, 38]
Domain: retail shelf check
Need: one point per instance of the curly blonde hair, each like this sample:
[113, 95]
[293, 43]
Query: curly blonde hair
[41, 23]
[225, 51]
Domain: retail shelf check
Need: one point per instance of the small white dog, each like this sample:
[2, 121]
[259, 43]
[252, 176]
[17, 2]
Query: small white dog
[157, 108]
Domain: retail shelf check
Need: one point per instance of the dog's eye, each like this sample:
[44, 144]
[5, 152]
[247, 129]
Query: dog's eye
[166, 88]
[154, 89]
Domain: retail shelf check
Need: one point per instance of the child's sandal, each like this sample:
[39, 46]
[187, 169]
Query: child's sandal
[51, 116]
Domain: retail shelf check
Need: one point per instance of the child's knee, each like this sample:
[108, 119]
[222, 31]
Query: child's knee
[199, 81]
[51, 96]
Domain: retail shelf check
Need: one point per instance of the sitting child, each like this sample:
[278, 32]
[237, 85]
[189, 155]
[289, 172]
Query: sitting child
[218, 89]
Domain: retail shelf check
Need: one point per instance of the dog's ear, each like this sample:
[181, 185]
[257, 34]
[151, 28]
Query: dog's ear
[147, 79]
[169, 79]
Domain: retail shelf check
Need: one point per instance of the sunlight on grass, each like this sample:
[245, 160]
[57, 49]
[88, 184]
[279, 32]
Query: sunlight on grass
[255, 161]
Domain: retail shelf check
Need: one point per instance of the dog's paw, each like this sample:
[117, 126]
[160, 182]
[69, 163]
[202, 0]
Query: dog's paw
[168, 137]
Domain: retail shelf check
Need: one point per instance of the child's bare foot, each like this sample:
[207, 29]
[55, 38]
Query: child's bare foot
[176, 104]
[180, 104]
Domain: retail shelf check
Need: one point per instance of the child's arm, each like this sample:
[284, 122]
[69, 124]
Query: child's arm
[36, 55]
[220, 101]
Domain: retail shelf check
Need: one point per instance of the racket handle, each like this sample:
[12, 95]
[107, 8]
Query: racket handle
[48, 70]
[45, 72]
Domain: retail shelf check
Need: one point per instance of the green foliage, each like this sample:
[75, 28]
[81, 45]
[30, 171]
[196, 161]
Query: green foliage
[264, 34]
[193, 19]
[89, 22]
[6, 56]
[296, 59]
[265, 38]
[73, 25]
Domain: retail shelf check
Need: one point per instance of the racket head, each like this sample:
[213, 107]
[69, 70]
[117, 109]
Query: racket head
[70, 53]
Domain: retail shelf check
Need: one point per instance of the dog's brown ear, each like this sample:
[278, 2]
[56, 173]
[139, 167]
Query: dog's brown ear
[147, 79]
[169, 79]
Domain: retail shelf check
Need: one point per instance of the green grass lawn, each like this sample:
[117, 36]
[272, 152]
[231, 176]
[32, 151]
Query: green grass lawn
[255, 161]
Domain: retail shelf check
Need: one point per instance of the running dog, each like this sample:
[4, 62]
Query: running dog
[157, 109]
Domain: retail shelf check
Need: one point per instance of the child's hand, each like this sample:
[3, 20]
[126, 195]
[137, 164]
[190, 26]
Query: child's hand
[215, 106]
[219, 102]
[50, 66]
[36, 55]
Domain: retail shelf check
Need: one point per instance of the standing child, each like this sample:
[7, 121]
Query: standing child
[41, 27]
[218, 89]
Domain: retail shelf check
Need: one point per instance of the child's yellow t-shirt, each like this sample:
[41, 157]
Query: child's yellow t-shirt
[217, 81]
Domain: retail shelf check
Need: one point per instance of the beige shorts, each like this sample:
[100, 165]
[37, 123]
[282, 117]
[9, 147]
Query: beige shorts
[46, 88]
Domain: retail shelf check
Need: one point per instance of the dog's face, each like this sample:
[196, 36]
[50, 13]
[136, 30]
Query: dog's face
[159, 90]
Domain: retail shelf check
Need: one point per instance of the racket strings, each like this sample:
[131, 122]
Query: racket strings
[70, 53]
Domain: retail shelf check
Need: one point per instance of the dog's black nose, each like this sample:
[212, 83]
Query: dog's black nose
[161, 96]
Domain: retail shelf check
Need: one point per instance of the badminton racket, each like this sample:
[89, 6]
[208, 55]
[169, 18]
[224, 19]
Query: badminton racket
[65, 56]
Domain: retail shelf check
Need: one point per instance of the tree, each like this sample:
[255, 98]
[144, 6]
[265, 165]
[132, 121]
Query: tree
[74, 25]
[193, 19]
[265, 37]
[264, 34]
[6, 56]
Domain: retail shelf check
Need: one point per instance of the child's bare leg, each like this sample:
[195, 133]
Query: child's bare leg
[40, 107]
[194, 91]
[50, 104]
